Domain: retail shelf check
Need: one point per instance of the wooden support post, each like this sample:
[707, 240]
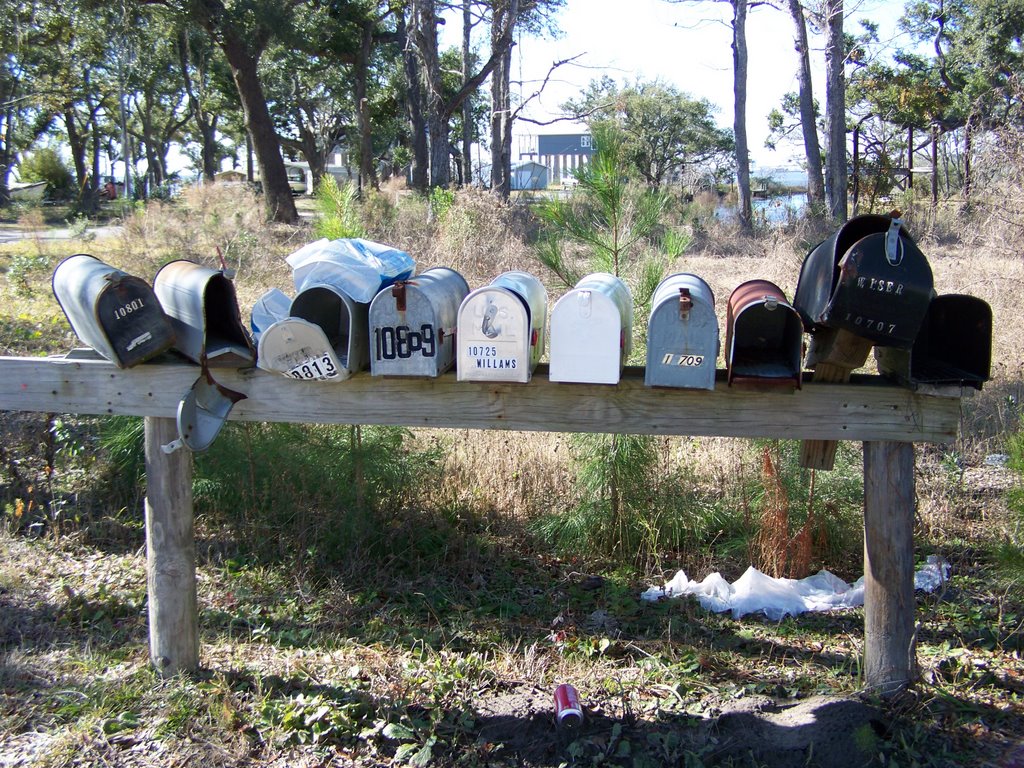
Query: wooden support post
[170, 552]
[888, 565]
[833, 354]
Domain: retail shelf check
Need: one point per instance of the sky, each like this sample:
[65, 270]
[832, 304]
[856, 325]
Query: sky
[687, 45]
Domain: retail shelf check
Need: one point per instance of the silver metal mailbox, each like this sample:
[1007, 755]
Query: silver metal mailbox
[323, 339]
[501, 329]
[413, 323]
[592, 331]
[113, 312]
[682, 335]
[764, 337]
[203, 308]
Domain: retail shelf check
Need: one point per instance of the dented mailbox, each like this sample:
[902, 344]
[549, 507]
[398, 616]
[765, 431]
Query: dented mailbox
[323, 339]
[870, 279]
[682, 336]
[412, 324]
[501, 329]
[115, 313]
[203, 308]
[592, 331]
[764, 337]
[953, 347]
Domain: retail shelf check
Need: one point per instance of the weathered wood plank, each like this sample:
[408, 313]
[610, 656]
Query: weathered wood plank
[888, 565]
[867, 408]
[170, 553]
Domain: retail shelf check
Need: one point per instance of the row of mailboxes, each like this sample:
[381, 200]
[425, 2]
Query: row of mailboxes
[423, 325]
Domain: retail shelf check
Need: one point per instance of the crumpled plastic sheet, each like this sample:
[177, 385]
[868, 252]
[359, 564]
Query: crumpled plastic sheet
[756, 592]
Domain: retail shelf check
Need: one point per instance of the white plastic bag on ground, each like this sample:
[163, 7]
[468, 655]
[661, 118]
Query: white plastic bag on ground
[358, 267]
[755, 592]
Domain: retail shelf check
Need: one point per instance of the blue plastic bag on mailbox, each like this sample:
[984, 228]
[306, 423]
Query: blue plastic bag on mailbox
[358, 267]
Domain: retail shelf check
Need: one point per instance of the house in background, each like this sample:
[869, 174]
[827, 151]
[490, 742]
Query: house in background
[562, 153]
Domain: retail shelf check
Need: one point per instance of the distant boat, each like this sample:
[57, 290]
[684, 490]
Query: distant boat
[31, 192]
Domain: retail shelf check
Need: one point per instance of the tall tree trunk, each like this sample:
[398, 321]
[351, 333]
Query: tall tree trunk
[467, 111]
[910, 157]
[501, 120]
[425, 35]
[414, 106]
[835, 111]
[739, 59]
[77, 145]
[808, 120]
[277, 194]
[367, 171]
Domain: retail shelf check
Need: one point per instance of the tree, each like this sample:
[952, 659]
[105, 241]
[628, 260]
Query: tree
[534, 17]
[808, 112]
[835, 110]
[205, 78]
[243, 32]
[665, 131]
[740, 9]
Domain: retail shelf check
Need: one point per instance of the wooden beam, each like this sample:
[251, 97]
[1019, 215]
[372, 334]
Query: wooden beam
[866, 408]
[170, 553]
[888, 565]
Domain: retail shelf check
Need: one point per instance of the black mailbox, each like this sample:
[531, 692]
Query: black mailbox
[954, 346]
[870, 279]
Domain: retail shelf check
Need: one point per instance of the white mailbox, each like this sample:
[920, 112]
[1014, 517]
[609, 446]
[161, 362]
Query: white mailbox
[682, 336]
[412, 324]
[592, 331]
[323, 339]
[501, 329]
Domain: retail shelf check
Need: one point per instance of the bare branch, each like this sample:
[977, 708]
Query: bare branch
[543, 85]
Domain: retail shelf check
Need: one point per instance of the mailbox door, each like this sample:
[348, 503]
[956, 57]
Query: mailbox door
[300, 350]
[586, 338]
[404, 331]
[495, 339]
[535, 296]
[883, 291]
[819, 274]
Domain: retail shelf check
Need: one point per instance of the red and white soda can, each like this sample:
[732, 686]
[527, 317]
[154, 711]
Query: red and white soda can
[568, 711]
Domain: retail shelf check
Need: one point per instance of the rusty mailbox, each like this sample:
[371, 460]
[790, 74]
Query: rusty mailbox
[592, 331]
[763, 338]
[324, 338]
[203, 308]
[682, 335]
[870, 279]
[412, 324]
[953, 347]
[113, 312]
[501, 329]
